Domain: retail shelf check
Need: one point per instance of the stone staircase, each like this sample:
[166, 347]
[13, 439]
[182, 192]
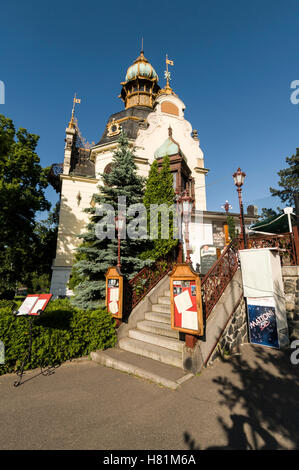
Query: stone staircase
[151, 350]
[154, 338]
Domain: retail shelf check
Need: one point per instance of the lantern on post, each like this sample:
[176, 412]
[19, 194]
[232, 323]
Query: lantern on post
[226, 207]
[114, 279]
[239, 178]
[186, 203]
[185, 286]
[119, 224]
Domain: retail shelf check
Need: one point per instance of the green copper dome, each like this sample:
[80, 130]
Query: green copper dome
[141, 68]
[168, 148]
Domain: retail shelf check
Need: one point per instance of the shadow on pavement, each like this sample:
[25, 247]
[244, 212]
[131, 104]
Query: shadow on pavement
[265, 386]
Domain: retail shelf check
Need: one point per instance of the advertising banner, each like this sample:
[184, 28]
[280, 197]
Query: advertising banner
[262, 321]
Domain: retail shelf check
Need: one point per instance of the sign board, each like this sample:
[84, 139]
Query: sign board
[185, 300]
[208, 256]
[262, 278]
[114, 292]
[262, 321]
[34, 304]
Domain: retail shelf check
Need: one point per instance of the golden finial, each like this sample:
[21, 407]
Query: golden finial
[75, 100]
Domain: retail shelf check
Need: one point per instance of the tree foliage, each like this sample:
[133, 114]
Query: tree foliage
[289, 180]
[22, 185]
[94, 256]
[160, 191]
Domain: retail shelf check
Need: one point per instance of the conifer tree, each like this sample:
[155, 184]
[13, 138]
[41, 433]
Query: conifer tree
[159, 190]
[94, 255]
[289, 180]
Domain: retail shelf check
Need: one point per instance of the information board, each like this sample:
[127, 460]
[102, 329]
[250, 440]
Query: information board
[185, 309]
[114, 292]
[113, 296]
[34, 304]
[262, 321]
[208, 256]
[185, 300]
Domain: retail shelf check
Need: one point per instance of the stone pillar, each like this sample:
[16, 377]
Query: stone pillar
[69, 141]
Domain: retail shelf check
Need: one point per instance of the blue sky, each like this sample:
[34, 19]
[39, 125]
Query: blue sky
[234, 62]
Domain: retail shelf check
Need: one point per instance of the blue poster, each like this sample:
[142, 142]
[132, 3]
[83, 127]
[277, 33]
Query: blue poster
[262, 321]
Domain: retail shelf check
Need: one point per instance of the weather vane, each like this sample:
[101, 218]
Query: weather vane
[167, 74]
[75, 100]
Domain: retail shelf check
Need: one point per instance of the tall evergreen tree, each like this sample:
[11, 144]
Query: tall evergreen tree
[159, 190]
[95, 255]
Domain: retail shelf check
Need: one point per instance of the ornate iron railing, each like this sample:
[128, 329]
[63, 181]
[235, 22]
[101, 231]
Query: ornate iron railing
[219, 276]
[147, 278]
[284, 242]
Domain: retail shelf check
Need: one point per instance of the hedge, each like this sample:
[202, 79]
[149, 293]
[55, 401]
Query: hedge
[63, 332]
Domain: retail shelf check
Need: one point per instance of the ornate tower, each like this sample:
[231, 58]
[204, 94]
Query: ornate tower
[140, 87]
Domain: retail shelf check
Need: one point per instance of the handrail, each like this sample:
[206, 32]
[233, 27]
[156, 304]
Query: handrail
[219, 276]
[141, 284]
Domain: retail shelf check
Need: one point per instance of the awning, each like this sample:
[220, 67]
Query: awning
[275, 224]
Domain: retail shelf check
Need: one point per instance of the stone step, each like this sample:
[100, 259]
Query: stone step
[161, 308]
[151, 351]
[164, 300]
[163, 341]
[158, 328]
[141, 367]
[158, 317]
[167, 293]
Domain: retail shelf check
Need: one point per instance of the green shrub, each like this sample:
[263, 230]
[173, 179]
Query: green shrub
[63, 332]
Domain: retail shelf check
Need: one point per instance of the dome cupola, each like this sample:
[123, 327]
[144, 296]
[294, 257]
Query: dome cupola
[140, 87]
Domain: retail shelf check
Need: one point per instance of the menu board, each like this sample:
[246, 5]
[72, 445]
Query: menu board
[208, 256]
[113, 296]
[34, 304]
[185, 307]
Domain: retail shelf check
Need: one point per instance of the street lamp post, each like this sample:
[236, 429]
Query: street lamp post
[226, 207]
[119, 223]
[239, 177]
[186, 203]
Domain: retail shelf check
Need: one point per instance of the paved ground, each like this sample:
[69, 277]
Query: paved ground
[247, 402]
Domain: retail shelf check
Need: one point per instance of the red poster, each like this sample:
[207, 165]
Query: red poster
[185, 307]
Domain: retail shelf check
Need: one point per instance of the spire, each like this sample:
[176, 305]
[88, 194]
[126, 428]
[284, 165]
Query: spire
[167, 89]
[167, 75]
[72, 121]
